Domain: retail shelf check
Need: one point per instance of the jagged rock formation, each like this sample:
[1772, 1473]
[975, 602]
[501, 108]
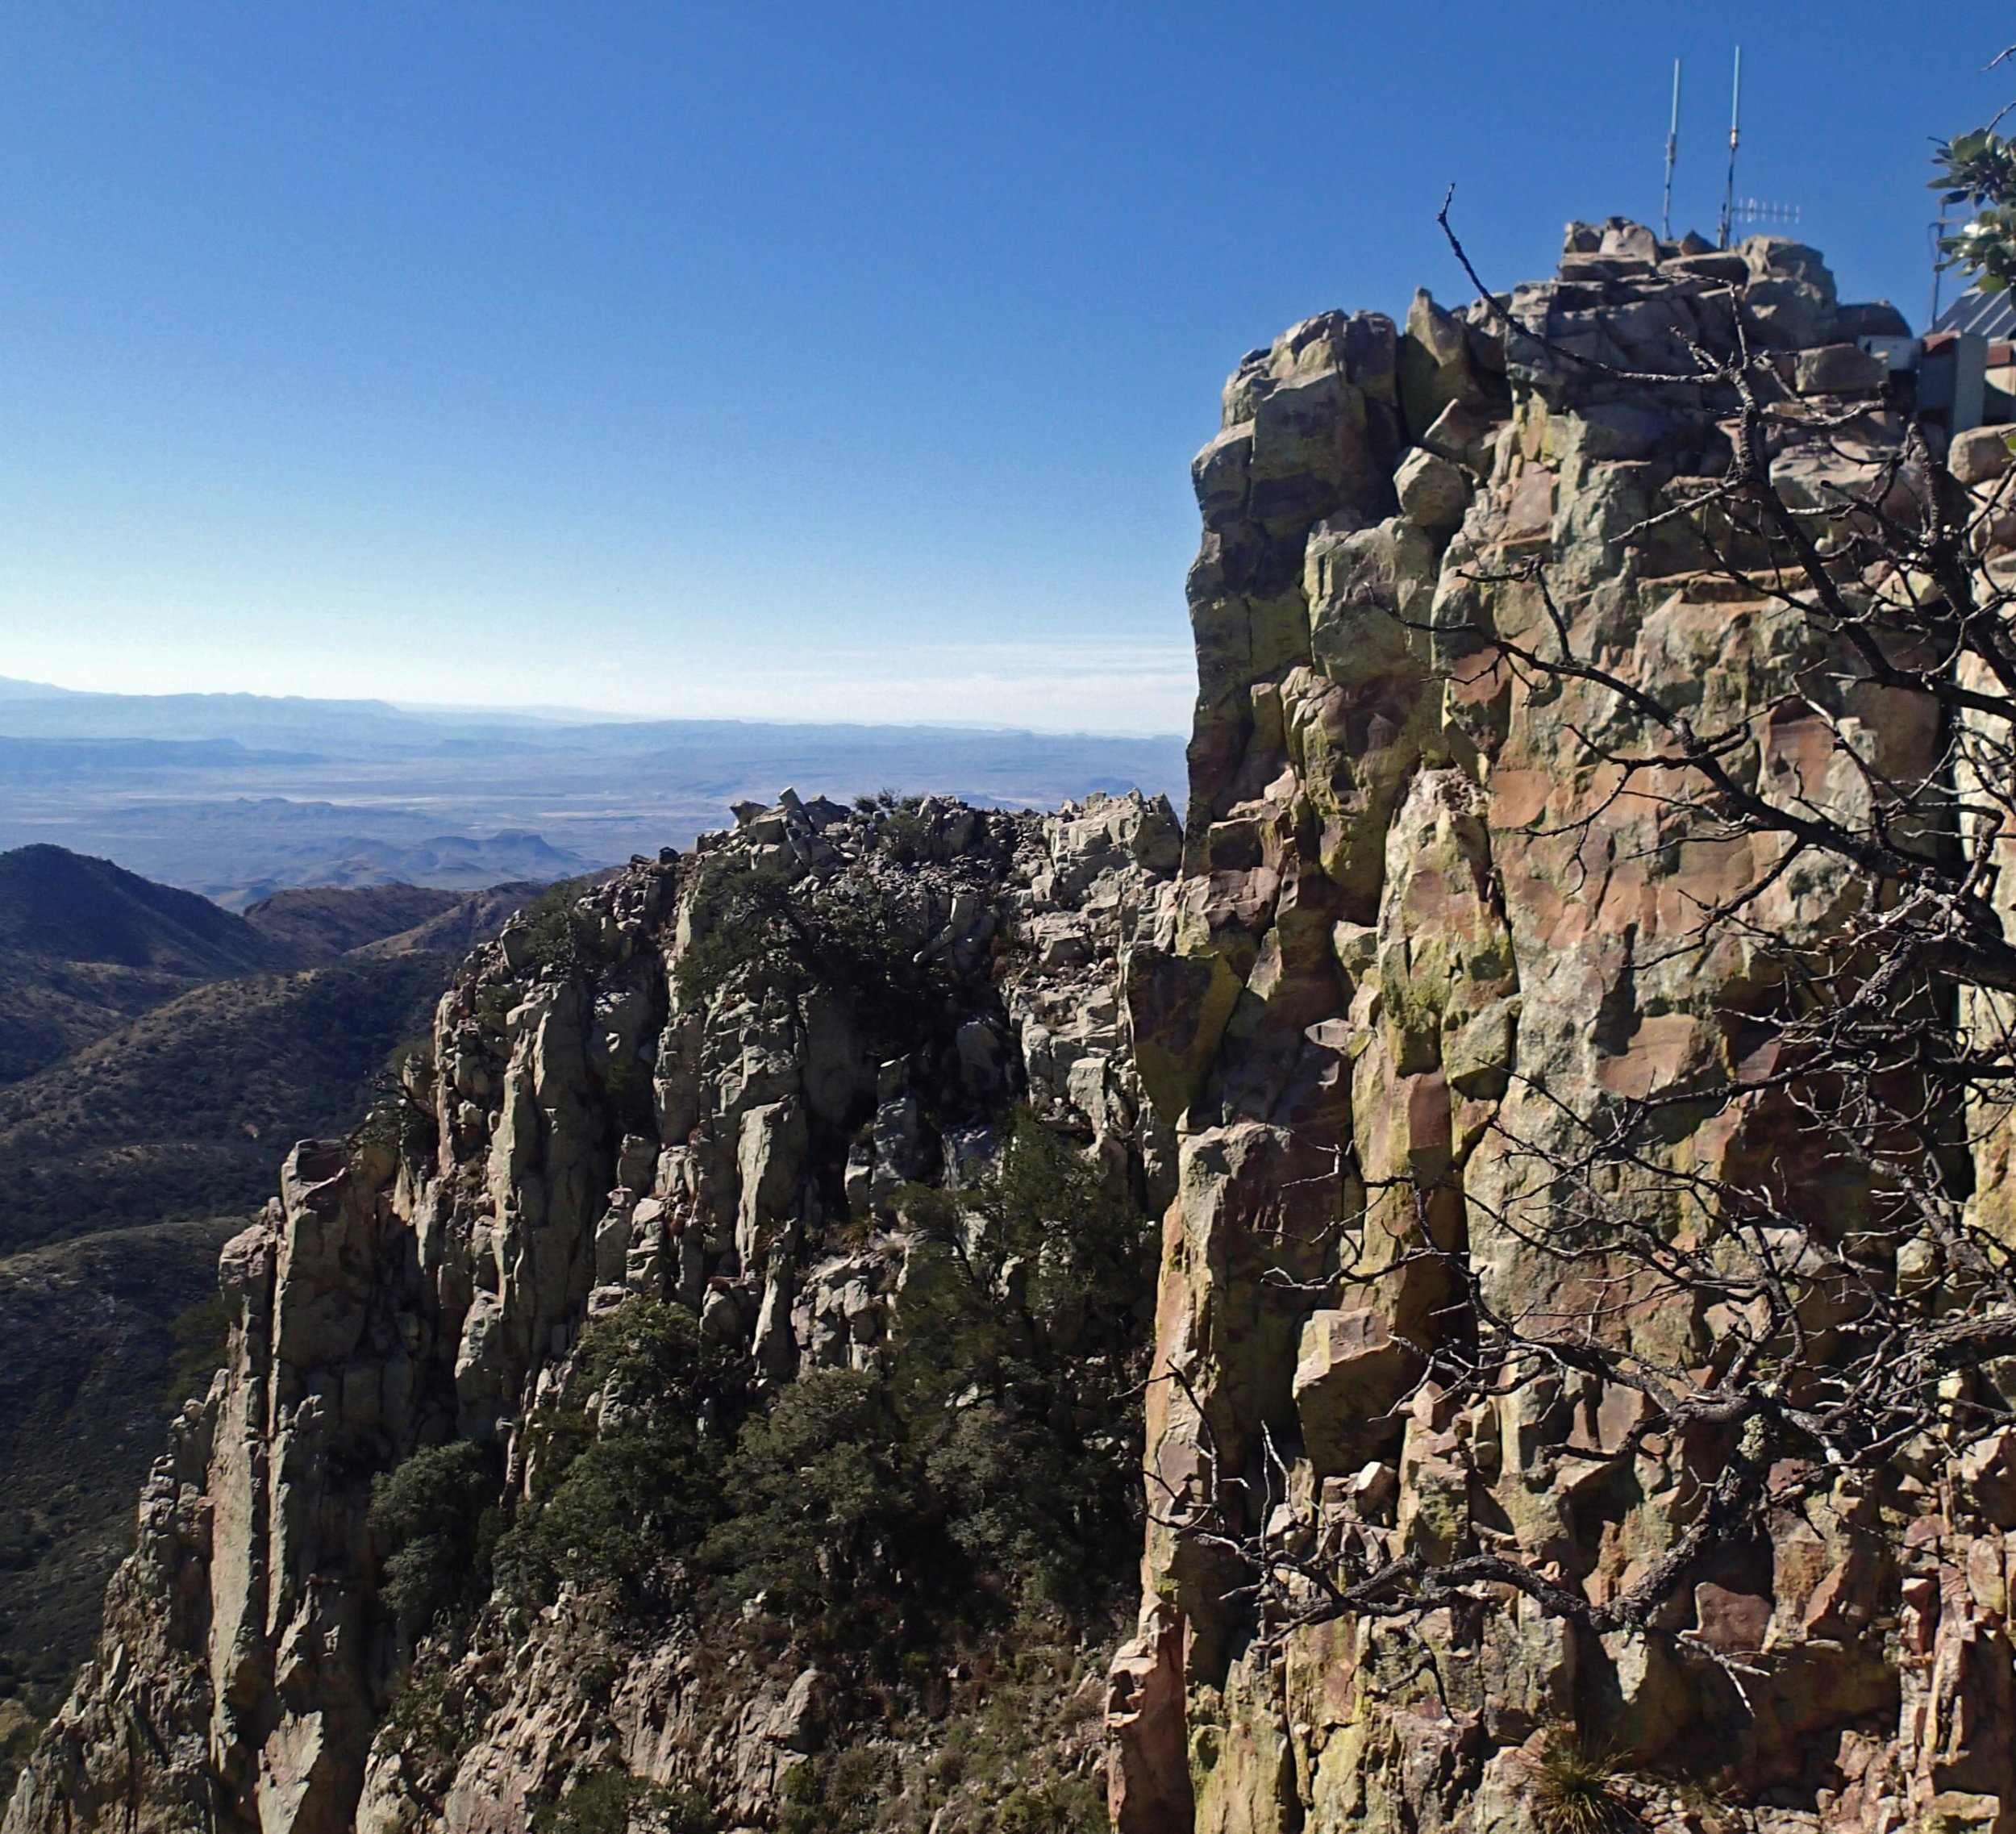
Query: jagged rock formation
[623, 1102]
[1404, 906]
[1394, 933]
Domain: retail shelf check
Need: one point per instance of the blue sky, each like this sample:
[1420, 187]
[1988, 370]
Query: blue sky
[785, 360]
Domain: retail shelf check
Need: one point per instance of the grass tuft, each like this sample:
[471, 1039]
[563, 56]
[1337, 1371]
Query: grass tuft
[1576, 1789]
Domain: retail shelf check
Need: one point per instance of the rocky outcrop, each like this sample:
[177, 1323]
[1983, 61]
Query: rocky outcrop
[622, 1102]
[1407, 926]
[1415, 926]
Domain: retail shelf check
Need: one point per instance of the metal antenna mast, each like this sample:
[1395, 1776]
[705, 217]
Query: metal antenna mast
[1939, 266]
[1672, 153]
[1729, 187]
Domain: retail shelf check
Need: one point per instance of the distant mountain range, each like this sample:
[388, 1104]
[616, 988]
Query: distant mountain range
[86, 947]
[239, 795]
[158, 1057]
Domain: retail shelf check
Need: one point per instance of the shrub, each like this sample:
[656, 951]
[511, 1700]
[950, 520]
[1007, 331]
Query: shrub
[626, 1088]
[435, 1514]
[847, 939]
[1575, 1789]
[1070, 1807]
[833, 1525]
[621, 1501]
[1020, 1360]
[562, 938]
[1001, 1456]
[840, 1792]
[610, 1802]
[599, 1804]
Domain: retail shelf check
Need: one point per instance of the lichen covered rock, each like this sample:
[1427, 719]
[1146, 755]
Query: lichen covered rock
[1417, 926]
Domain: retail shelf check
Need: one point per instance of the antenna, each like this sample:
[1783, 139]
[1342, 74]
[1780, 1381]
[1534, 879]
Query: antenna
[1939, 264]
[1729, 186]
[1672, 154]
[1758, 210]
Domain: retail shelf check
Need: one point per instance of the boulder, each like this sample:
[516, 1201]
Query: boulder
[1434, 494]
[1350, 1374]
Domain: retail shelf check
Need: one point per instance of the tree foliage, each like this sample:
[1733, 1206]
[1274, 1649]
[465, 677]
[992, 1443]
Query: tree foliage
[626, 1462]
[435, 1517]
[996, 1461]
[850, 940]
[1977, 171]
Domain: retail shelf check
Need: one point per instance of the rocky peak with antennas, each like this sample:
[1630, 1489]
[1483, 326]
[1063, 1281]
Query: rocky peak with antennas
[1422, 922]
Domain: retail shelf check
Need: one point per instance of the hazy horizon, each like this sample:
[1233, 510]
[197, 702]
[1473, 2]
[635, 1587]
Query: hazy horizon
[11, 685]
[786, 363]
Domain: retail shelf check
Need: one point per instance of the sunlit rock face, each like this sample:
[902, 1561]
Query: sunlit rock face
[1405, 927]
[1415, 922]
[597, 1125]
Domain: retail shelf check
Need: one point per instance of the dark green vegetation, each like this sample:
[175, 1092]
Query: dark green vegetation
[950, 1539]
[1002, 1755]
[97, 1337]
[84, 945]
[190, 1109]
[561, 936]
[606, 1803]
[436, 1517]
[869, 1515]
[846, 941]
[622, 1505]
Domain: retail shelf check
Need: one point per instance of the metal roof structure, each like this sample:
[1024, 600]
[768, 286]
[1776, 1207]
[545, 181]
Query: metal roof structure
[1992, 315]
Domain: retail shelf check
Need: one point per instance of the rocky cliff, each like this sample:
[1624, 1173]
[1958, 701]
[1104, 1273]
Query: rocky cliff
[710, 1090]
[581, 1410]
[1418, 926]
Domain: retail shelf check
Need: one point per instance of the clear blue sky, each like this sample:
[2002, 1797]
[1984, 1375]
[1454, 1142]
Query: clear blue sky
[819, 359]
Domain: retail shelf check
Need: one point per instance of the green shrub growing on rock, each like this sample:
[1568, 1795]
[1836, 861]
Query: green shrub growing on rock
[1020, 1363]
[613, 1802]
[624, 1462]
[996, 1463]
[436, 1516]
[767, 933]
[833, 1528]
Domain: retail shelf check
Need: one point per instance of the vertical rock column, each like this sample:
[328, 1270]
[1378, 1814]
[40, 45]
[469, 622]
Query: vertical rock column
[1415, 922]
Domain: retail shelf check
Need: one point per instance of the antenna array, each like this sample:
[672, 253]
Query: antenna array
[1729, 185]
[1754, 210]
[1672, 156]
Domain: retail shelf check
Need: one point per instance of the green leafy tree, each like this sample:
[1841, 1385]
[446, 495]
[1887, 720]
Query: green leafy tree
[835, 1529]
[435, 1514]
[997, 1462]
[1977, 171]
[626, 1462]
[1019, 1363]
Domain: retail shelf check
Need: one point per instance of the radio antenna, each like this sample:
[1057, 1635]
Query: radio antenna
[1735, 118]
[1939, 264]
[1672, 154]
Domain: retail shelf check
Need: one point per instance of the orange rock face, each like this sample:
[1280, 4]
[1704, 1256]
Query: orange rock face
[1419, 916]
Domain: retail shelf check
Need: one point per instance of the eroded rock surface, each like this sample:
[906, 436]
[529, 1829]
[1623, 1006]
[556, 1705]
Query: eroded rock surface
[1414, 926]
[597, 1125]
